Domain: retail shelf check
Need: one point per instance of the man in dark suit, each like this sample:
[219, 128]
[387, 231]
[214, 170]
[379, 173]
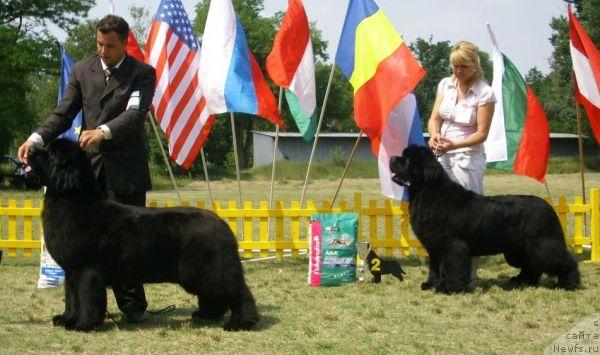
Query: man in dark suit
[115, 92]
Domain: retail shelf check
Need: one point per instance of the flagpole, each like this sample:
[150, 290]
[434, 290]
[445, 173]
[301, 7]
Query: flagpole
[581, 162]
[547, 189]
[274, 152]
[347, 166]
[275, 148]
[235, 154]
[206, 176]
[152, 117]
[314, 148]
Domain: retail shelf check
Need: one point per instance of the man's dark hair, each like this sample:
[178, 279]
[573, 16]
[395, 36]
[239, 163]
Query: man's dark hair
[112, 23]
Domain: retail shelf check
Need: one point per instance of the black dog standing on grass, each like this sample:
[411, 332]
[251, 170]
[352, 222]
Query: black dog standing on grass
[454, 224]
[99, 243]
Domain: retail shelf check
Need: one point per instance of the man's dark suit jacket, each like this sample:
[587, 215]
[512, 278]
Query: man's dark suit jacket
[124, 157]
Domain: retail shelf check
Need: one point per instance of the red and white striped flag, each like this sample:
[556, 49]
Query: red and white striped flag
[586, 65]
[173, 49]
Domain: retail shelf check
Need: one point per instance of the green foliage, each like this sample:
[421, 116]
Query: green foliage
[28, 54]
[435, 59]
[81, 42]
[339, 113]
[141, 23]
[29, 13]
[23, 56]
[487, 66]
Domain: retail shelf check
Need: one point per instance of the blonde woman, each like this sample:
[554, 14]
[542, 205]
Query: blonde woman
[461, 119]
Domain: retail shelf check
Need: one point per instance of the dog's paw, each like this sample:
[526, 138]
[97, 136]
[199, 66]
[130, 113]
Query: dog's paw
[516, 280]
[234, 326]
[58, 320]
[450, 290]
[80, 327]
[427, 285]
[209, 313]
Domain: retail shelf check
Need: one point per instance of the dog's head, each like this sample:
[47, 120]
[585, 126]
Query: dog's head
[62, 166]
[417, 166]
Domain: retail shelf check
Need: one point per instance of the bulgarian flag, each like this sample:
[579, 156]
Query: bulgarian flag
[519, 137]
[291, 66]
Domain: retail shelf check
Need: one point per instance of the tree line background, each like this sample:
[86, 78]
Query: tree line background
[30, 69]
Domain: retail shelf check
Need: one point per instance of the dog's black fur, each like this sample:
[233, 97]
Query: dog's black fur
[100, 243]
[378, 266]
[454, 224]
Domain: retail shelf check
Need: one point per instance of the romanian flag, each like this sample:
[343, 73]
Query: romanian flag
[291, 66]
[519, 137]
[379, 65]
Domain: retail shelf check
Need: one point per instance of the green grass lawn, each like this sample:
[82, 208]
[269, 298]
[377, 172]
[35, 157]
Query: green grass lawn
[392, 317]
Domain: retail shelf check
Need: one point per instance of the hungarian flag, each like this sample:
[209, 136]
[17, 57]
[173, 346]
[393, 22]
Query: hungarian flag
[383, 72]
[519, 137]
[586, 65]
[291, 66]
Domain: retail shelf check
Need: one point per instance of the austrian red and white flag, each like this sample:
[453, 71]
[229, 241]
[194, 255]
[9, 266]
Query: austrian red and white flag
[586, 65]
[174, 51]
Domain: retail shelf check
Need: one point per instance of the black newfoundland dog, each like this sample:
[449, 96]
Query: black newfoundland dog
[455, 224]
[100, 243]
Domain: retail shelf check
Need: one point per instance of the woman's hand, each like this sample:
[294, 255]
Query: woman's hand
[440, 145]
[435, 140]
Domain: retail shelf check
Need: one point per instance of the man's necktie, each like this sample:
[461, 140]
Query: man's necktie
[108, 73]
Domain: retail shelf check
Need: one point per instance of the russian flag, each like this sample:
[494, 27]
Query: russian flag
[231, 79]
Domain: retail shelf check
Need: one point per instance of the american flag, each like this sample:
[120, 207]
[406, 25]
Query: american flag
[174, 51]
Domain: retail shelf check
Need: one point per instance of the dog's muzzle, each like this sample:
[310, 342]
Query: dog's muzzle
[398, 180]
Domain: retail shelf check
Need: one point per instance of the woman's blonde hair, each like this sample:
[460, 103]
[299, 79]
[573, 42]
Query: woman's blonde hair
[466, 53]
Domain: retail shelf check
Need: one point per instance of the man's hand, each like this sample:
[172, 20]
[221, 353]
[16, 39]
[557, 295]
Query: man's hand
[24, 150]
[90, 137]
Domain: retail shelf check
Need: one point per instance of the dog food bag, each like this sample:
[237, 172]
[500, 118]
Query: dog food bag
[51, 275]
[332, 259]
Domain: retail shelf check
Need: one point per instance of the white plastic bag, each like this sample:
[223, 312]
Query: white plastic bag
[51, 275]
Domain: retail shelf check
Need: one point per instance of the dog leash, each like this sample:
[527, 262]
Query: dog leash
[167, 309]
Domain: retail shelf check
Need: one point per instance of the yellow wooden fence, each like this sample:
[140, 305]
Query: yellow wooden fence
[264, 232]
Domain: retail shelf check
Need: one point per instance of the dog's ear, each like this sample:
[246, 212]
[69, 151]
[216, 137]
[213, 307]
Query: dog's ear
[66, 165]
[64, 177]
